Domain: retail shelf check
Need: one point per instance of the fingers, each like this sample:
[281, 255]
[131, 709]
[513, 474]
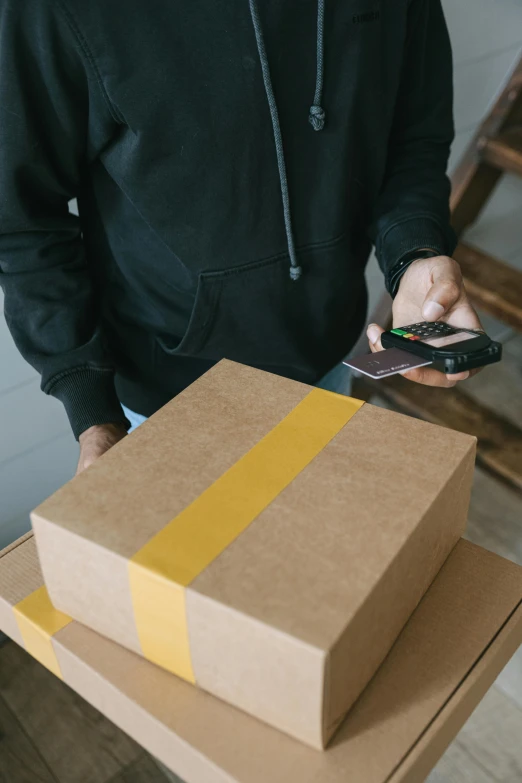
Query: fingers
[84, 463]
[429, 377]
[87, 456]
[89, 453]
[373, 333]
[95, 441]
[464, 315]
[424, 375]
[459, 376]
[447, 289]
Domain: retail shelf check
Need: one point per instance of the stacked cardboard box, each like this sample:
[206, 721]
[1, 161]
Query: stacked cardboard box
[261, 538]
[461, 635]
[270, 543]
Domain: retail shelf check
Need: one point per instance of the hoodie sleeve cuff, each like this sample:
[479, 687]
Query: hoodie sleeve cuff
[89, 398]
[399, 243]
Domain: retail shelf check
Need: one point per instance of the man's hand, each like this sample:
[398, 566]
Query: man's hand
[96, 441]
[431, 289]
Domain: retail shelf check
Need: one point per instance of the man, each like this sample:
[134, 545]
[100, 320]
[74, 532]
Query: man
[233, 163]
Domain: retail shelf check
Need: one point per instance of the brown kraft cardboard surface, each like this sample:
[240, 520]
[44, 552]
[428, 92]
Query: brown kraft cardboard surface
[463, 632]
[329, 571]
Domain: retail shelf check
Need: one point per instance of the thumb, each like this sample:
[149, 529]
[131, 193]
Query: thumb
[374, 337]
[445, 291]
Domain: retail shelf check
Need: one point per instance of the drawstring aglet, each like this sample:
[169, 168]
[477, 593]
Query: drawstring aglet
[317, 117]
[295, 272]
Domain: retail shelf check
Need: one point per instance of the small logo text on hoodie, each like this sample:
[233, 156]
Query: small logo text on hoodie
[370, 16]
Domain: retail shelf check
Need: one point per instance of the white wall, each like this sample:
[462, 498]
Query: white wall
[37, 452]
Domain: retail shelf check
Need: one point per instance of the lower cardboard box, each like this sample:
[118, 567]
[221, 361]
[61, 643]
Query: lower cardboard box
[461, 635]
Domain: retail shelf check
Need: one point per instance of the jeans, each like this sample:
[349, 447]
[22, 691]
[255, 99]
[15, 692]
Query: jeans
[339, 380]
[135, 418]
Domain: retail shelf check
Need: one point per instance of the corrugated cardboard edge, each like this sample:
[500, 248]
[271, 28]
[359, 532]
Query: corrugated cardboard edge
[7, 618]
[436, 738]
[15, 544]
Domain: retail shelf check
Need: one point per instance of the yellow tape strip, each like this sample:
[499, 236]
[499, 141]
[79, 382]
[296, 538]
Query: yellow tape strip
[38, 621]
[171, 560]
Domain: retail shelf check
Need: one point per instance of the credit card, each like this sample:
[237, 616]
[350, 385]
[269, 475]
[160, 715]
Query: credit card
[385, 363]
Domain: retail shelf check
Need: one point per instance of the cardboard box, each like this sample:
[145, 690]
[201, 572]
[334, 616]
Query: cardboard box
[261, 538]
[462, 634]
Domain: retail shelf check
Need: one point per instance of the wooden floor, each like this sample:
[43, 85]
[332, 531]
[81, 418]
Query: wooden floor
[48, 734]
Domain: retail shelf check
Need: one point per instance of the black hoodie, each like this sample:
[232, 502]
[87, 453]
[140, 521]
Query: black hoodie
[218, 217]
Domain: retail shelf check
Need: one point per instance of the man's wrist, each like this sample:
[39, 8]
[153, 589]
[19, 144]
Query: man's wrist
[404, 263]
[116, 429]
[89, 397]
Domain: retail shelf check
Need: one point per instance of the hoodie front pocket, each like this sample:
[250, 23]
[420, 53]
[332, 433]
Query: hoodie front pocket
[200, 321]
[255, 314]
[240, 314]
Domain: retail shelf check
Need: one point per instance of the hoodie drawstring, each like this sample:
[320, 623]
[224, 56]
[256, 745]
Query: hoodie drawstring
[316, 118]
[317, 114]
